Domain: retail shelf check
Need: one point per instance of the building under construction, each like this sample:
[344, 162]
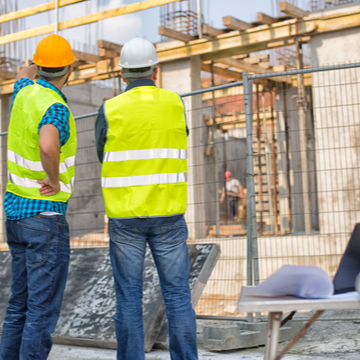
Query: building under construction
[298, 161]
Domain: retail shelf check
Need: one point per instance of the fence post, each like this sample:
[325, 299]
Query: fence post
[215, 152]
[252, 248]
[303, 140]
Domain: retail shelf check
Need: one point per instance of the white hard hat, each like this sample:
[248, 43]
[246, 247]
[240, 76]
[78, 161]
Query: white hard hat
[138, 53]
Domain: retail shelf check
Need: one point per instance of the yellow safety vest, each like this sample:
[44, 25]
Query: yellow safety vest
[23, 154]
[144, 172]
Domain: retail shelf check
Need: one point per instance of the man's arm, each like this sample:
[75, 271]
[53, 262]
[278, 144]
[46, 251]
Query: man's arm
[24, 78]
[28, 72]
[49, 144]
[241, 193]
[101, 129]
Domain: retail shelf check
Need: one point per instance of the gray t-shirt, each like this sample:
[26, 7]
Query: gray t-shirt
[233, 186]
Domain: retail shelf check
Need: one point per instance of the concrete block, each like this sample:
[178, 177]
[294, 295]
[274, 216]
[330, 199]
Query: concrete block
[236, 335]
[228, 337]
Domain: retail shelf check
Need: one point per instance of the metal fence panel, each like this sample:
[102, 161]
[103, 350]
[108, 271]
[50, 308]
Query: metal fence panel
[291, 140]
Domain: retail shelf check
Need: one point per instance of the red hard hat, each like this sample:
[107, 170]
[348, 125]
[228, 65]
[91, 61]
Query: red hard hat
[227, 174]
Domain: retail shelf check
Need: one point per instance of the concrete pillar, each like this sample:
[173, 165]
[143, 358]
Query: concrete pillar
[284, 206]
[183, 76]
[5, 103]
[337, 129]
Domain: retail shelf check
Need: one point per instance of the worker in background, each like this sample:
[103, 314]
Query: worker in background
[234, 191]
[41, 149]
[142, 143]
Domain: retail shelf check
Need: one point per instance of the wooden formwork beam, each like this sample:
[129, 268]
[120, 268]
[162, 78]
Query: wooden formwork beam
[241, 65]
[6, 75]
[36, 10]
[265, 19]
[83, 20]
[103, 44]
[255, 59]
[176, 35]
[230, 44]
[235, 24]
[292, 10]
[208, 30]
[230, 74]
[108, 50]
[82, 56]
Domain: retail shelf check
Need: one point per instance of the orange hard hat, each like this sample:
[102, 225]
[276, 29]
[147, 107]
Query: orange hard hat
[53, 51]
[227, 174]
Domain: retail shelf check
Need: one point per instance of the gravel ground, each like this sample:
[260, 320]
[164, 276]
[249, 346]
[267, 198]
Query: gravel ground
[332, 339]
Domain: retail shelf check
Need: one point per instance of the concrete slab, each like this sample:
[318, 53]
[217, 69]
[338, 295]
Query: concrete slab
[5, 281]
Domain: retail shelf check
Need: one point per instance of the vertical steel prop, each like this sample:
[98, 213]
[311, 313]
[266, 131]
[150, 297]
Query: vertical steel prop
[252, 248]
[303, 140]
[216, 174]
[199, 15]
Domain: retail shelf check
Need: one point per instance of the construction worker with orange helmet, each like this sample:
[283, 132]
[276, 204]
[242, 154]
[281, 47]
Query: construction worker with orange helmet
[141, 138]
[41, 149]
[234, 192]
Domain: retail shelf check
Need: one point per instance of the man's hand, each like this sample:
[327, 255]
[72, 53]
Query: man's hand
[47, 188]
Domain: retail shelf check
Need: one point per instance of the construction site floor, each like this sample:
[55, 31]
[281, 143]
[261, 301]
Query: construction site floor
[327, 339]
[65, 352]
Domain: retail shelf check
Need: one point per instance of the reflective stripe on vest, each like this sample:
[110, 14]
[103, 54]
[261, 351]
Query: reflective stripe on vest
[36, 165]
[30, 183]
[140, 180]
[145, 154]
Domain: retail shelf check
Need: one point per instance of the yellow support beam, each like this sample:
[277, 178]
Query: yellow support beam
[36, 10]
[84, 20]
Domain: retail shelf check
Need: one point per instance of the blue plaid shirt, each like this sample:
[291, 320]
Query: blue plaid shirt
[18, 207]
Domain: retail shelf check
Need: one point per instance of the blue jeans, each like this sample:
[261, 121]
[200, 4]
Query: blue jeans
[170, 253]
[40, 258]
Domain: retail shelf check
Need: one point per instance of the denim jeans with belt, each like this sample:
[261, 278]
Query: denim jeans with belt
[170, 253]
[40, 258]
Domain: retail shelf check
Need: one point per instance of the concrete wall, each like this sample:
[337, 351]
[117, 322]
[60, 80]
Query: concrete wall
[289, 162]
[337, 129]
[86, 98]
[86, 206]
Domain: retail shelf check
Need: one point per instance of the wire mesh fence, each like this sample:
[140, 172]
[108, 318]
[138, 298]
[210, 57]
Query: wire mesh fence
[290, 143]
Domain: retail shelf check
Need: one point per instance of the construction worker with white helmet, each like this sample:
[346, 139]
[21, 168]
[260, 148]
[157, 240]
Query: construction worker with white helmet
[141, 138]
[41, 148]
